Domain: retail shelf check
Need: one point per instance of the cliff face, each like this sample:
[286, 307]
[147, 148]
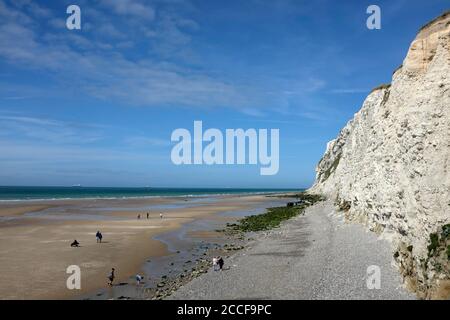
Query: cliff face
[390, 165]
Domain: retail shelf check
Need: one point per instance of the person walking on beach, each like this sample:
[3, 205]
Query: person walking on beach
[147, 215]
[161, 215]
[221, 263]
[139, 278]
[139, 216]
[99, 236]
[111, 277]
[215, 263]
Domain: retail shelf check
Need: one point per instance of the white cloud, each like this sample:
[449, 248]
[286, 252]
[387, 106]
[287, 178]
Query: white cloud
[131, 8]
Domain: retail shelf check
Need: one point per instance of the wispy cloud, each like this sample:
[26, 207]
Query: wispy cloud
[349, 90]
[111, 75]
[37, 147]
[131, 8]
[25, 128]
[15, 98]
[143, 141]
[22, 151]
[164, 73]
[306, 86]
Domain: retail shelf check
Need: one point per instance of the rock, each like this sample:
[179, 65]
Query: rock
[389, 167]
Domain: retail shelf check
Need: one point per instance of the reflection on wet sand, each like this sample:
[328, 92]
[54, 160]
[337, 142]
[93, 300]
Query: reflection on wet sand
[35, 241]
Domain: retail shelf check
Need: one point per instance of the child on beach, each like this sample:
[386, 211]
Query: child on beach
[215, 264]
[98, 236]
[111, 277]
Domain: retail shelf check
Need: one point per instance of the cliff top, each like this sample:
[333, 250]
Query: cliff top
[437, 24]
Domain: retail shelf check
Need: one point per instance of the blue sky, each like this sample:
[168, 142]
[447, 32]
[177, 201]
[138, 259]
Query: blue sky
[97, 106]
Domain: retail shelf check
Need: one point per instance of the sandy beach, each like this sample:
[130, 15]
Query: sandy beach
[35, 239]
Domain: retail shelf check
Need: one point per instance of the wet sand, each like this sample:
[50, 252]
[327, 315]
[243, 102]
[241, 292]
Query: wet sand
[35, 239]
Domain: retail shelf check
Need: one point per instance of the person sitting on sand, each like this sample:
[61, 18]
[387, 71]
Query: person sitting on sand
[111, 277]
[139, 278]
[221, 263]
[99, 236]
[75, 243]
[215, 263]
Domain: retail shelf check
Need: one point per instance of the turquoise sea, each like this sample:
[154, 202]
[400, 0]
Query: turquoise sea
[36, 193]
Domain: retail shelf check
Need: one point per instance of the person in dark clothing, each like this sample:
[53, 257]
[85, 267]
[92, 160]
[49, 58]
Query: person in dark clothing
[75, 243]
[147, 215]
[111, 277]
[220, 262]
[99, 236]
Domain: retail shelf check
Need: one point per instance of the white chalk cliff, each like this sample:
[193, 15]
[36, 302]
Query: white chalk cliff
[389, 167]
